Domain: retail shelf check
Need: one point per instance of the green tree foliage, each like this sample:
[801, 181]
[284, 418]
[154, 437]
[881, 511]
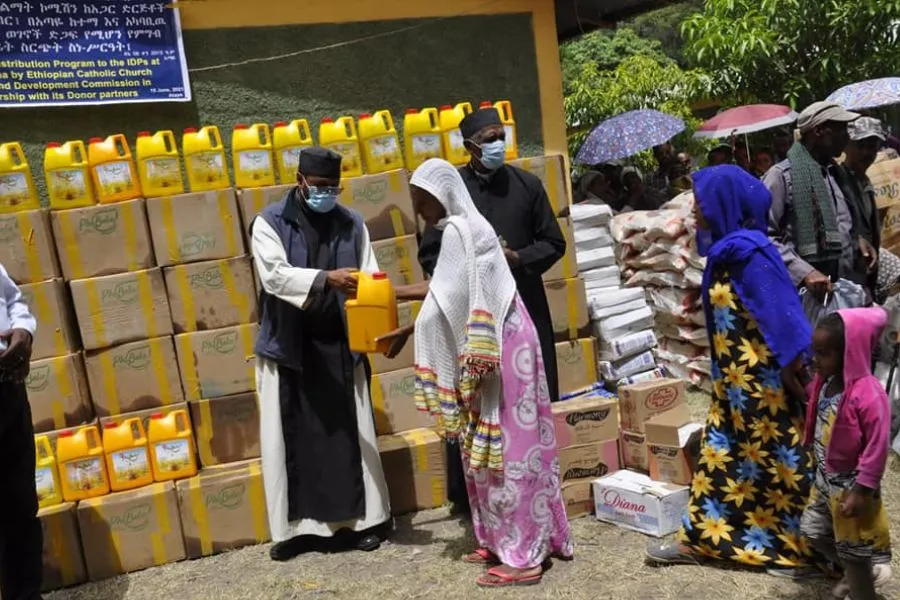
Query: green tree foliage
[664, 26]
[638, 82]
[605, 50]
[794, 51]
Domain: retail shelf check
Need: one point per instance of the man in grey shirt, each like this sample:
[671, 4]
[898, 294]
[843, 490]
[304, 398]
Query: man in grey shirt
[812, 231]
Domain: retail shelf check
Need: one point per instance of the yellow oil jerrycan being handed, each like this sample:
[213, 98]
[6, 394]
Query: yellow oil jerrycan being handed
[112, 169]
[451, 137]
[251, 152]
[204, 159]
[172, 454]
[16, 185]
[289, 139]
[68, 175]
[82, 471]
[379, 141]
[341, 137]
[372, 314]
[46, 475]
[127, 460]
[421, 136]
[159, 168]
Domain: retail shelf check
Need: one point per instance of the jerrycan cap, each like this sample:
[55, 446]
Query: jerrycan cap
[412, 111]
[446, 107]
[95, 140]
[379, 275]
[67, 433]
[241, 126]
[158, 415]
[110, 425]
[143, 134]
[53, 144]
[485, 104]
[279, 124]
[190, 130]
[327, 120]
[364, 116]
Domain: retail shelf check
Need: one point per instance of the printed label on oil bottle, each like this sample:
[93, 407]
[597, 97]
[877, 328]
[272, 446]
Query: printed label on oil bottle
[173, 456]
[84, 475]
[256, 163]
[426, 146]
[208, 165]
[162, 172]
[67, 184]
[43, 481]
[130, 464]
[114, 177]
[13, 188]
[510, 136]
[385, 147]
[456, 141]
[290, 157]
[349, 153]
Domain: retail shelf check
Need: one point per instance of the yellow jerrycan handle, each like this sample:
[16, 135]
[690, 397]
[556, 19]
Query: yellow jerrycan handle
[262, 132]
[303, 128]
[16, 153]
[385, 115]
[136, 426]
[181, 421]
[213, 132]
[42, 447]
[505, 109]
[92, 436]
[433, 116]
[349, 125]
[466, 107]
[120, 144]
[77, 151]
[169, 140]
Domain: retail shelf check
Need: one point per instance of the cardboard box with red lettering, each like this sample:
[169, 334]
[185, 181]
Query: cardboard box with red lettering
[585, 420]
[634, 501]
[641, 401]
[673, 443]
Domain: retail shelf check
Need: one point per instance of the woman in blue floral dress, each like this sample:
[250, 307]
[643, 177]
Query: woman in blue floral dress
[752, 481]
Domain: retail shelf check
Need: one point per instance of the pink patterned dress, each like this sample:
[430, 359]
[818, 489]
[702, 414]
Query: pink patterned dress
[518, 514]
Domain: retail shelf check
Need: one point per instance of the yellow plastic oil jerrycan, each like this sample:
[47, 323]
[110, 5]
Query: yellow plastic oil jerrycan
[341, 137]
[379, 141]
[112, 169]
[46, 475]
[159, 168]
[289, 139]
[82, 471]
[504, 107]
[451, 137]
[127, 459]
[421, 136]
[172, 454]
[251, 153]
[373, 312]
[204, 159]
[68, 175]
[16, 185]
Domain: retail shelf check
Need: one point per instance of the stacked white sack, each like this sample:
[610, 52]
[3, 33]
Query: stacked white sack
[657, 251]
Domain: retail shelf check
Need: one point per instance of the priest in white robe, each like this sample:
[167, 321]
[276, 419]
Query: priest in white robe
[321, 468]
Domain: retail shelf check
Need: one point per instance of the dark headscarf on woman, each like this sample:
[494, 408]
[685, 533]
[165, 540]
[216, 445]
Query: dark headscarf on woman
[735, 206]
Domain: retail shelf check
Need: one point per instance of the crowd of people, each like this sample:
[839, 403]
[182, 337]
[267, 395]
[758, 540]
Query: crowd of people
[790, 466]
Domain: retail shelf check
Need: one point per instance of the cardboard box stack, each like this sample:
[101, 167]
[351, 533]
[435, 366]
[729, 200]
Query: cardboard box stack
[657, 251]
[616, 313]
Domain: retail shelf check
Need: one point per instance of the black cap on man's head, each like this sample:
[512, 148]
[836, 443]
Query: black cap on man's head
[478, 120]
[316, 161]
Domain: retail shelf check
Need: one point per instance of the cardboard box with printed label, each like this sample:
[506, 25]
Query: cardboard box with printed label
[406, 315]
[634, 451]
[134, 376]
[414, 469]
[226, 428]
[885, 178]
[398, 258]
[673, 443]
[129, 531]
[393, 403]
[551, 170]
[579, 498]
[585, 420]
[211, 294]
[57, 332]
[219, 362]
[58, 393]
[144, 415]
[121, 308]
[194, 227]
[62, 557]
[641, 401]
[634, 501]
[588, 461]
[103, 239]
[223, 509]
[384, 202]
[566, 267]
[568, 309]
[251, 201]
[26, 246]
[576, 363]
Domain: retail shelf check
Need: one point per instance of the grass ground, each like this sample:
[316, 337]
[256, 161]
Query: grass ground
[422, 562]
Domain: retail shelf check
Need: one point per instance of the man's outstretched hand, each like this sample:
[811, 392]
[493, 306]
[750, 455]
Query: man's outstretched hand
[343, 280]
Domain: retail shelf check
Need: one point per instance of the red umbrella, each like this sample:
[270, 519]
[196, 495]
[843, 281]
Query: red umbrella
[746, 119]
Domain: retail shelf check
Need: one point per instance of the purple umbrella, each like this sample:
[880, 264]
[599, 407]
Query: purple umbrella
[627, 134]
[868, 94]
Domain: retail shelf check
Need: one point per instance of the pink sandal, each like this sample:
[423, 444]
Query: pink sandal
[495, 578]
[481, 556]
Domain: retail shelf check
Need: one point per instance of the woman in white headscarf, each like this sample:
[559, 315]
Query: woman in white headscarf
[479, 371]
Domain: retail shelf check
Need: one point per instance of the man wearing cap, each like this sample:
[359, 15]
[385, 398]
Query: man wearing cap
[515, 203]
[810, 221]
[321, 468]
[866, 138]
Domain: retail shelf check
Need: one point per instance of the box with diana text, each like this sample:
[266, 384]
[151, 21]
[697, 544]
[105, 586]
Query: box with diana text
[634, 501]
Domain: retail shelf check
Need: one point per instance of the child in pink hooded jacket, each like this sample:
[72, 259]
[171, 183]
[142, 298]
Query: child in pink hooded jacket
[848, 425]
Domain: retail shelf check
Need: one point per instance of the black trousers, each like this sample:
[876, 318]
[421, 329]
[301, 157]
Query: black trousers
[21, 538]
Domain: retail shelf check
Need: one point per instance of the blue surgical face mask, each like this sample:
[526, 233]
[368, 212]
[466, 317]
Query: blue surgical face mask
[321, 199]
[493, 154]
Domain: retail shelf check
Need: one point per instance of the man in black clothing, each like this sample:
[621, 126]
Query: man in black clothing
[21, 539]
[515, 203]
